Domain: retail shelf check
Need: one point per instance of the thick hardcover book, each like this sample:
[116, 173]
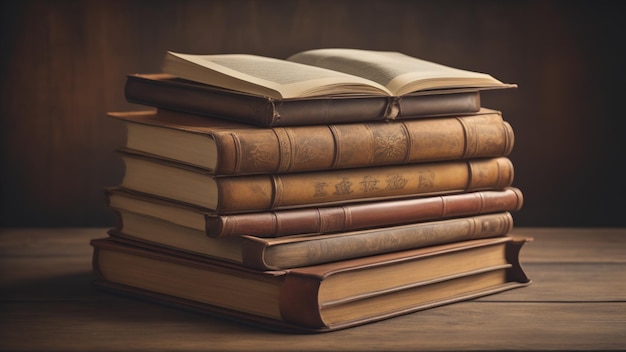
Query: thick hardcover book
[318, 219]
[303, 250]
[169, 92]
[234, 194]
[228, 148]
[317, 298]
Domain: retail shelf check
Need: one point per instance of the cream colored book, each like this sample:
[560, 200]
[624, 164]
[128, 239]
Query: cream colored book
[324, 72]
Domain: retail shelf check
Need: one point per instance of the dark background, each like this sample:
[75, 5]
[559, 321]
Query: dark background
[63, 66]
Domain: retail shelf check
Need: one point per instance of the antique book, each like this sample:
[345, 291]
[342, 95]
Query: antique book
[235, 194]
[327, 73]
[276, 253]
[228, 148]
[166, 91]
[311, 220]
[324, 72]
[318, 298]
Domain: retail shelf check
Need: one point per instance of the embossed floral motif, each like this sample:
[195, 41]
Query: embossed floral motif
[307, 150]
[259, 156]
[391, 147]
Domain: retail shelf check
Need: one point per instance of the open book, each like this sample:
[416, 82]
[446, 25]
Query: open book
[325, 72]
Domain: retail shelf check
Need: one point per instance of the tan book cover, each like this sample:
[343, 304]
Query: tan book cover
[228, 148]
[236, 194]
[316, 298]
[274, 253]
[312, 220]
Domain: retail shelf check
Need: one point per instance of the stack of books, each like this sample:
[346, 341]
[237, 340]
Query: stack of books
[335, 188]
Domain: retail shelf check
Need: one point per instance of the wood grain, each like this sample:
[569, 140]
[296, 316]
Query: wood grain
[118, 325]
[572, 304]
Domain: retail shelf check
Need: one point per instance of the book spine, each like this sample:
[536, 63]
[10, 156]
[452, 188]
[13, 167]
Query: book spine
[197, 100]
[437, 104]
[299, 301]
[360, 216]
[323, 147]
[162, 91]
[262, 255]
[281, 191]
[516, 273]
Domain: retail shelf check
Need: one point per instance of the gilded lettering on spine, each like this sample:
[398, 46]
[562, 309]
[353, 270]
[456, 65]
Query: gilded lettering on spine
[396, 182]
[344, 187]
[426, 179]
[368, 184]
[320, 189]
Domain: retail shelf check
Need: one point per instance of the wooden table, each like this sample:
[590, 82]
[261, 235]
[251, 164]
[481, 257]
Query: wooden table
[577, 301]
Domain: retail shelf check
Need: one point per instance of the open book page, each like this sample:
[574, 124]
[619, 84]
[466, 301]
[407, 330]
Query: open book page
[267, 76]
[400, 73]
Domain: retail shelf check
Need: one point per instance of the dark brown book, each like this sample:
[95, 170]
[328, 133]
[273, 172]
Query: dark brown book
[228, 148]
[330, 219]
[317, 298]
[276, 253]
[235, 194]
[313, 87]
[169, 92]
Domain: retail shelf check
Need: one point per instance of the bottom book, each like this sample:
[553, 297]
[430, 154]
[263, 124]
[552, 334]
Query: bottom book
[317, 298]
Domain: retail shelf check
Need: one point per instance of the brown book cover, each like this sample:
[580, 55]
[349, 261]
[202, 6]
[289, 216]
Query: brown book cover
[169, 92]
[276, 253]
[295, 251]
[228, 148]
[311, 220]
[235, 194]
[317, 298]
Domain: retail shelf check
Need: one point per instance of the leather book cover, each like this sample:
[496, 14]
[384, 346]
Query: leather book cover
[165, 91]
[300, 251]
[237, 194]
[313, 220]
[362, 215]
[230, 148]
[298, 287]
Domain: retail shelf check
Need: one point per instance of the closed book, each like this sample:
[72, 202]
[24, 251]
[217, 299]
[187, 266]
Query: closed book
[228, 148]
[166, 91]
[311, 220]
[235, 194]
[317, 298]
[275, 253]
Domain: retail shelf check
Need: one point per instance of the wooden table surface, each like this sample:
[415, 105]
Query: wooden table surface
[577, 301]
